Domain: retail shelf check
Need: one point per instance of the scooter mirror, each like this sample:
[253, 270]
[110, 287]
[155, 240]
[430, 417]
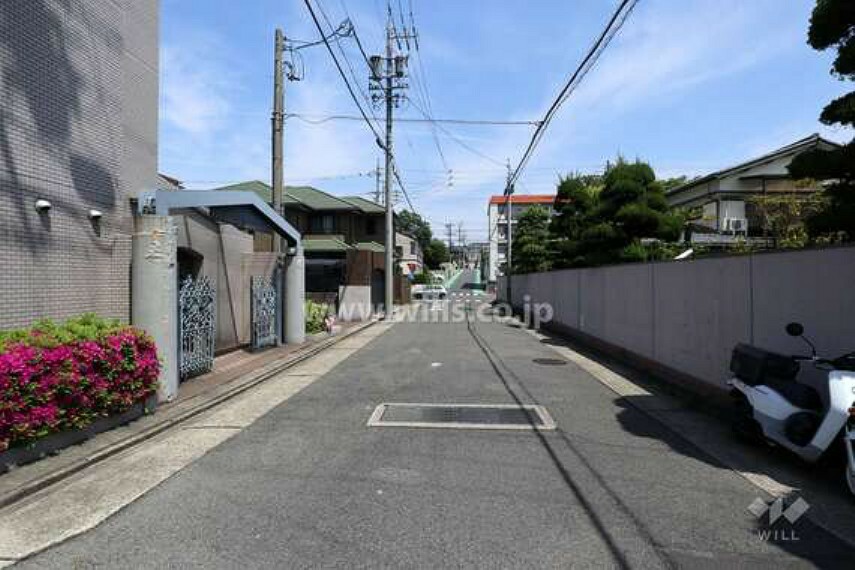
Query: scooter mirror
[795, 329]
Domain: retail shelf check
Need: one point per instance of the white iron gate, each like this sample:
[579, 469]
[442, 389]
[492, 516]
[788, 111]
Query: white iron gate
[264, 312]
[197, 301]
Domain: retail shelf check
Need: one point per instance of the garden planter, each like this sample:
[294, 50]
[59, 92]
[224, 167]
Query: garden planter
[54, 443]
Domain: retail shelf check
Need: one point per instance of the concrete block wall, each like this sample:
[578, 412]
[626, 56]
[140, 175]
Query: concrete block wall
[687, 316]
[223, 249]
[78, 127]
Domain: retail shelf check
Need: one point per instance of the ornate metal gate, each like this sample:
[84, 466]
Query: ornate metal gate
[264, 311]
[197, 328]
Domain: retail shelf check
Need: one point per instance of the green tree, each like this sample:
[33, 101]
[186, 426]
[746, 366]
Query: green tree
[631, 208]
[784, 215]
[576, 200]
[412, 224]
[531, 241]
[832, 26]
[436, 253]
[671, 183]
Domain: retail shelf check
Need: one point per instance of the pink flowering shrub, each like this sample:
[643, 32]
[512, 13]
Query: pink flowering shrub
[60, 377]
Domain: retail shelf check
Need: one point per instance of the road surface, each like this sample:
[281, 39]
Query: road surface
[310, 485]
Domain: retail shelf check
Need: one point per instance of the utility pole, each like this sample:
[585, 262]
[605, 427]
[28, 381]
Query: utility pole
[509, 215]
[387, 75]
[377, 173]
[390, 214]
[278, 121]
[461, 243]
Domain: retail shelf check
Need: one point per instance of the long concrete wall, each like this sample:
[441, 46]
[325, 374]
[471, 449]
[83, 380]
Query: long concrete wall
[686, 317]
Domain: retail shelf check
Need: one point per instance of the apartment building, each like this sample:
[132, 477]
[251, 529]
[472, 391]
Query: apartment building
[498, 229]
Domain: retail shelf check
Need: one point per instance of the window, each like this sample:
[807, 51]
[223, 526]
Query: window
[322, 224]
[412, 248]
[370, 226]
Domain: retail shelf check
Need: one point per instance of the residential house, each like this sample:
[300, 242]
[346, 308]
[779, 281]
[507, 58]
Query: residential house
[408, 254]
[497, 225]
[343, 239]
[722, 199]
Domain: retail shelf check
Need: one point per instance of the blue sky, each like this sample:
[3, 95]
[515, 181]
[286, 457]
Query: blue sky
[689, 86]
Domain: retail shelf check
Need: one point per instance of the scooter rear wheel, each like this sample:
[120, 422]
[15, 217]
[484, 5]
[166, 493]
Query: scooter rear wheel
[743, 423]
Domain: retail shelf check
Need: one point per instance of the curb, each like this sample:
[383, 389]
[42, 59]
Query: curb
[202, 405]
[624, 387]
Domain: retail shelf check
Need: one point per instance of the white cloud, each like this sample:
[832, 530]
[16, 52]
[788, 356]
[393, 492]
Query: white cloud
[666, 47]
[193, 94]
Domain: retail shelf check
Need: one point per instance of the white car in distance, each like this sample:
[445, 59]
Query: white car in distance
[429, 292]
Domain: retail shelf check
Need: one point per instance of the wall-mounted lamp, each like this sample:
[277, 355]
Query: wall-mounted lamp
[43, 206]
[95, 215]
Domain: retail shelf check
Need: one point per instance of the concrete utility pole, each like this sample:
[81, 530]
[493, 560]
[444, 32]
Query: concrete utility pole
[290, 275]
[389, 274]
[278, 121]
[509, 215]
[387, 75]
[377, 173]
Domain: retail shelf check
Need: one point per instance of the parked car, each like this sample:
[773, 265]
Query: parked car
[429, 292]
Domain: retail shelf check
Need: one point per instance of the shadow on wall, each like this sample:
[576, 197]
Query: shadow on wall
[38, 69]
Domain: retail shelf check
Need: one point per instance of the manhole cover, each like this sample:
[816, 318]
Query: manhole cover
[549, 361]
[462, 416]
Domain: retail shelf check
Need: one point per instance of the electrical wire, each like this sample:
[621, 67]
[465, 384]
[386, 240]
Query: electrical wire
[320, 119]
[351, 29]
[341, 72]
[422, 90]
[614, 25]
[457, 140]
[353, 96]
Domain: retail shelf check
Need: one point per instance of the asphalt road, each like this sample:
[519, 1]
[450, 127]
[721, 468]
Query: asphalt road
[311, 486]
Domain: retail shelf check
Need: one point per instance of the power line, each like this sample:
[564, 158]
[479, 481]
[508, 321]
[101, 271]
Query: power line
[320, 119]
[401, 184]
[453, 137]
[377, 138]
[422, 90]
[614, 25]
[351, 32]
[351, 91]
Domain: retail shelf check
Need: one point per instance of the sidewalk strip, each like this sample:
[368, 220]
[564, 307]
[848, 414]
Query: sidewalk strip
[180, 413]
[84, 500]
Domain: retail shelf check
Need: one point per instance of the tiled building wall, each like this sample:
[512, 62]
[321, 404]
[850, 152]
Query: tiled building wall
[78, 127]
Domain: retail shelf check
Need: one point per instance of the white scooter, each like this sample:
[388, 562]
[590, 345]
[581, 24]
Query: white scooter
[771, 405]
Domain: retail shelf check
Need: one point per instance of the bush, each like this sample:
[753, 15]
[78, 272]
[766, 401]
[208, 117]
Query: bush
[315, 315]
[422, 278]
[57, 377]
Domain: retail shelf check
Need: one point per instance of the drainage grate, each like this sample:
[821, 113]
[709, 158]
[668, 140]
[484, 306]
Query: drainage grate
[549, 361]
[462, 416]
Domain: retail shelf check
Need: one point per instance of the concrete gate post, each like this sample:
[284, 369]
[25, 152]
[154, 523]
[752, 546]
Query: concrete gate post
[154, 293]
[295, 296]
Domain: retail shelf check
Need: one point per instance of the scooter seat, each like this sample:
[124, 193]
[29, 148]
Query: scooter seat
[800, 395]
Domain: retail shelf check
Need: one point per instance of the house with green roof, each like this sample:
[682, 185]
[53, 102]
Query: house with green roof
[318, 214]
[343, 240]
